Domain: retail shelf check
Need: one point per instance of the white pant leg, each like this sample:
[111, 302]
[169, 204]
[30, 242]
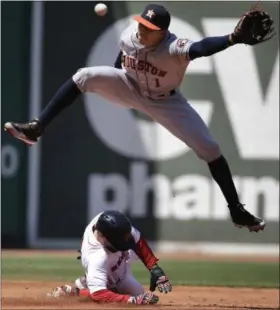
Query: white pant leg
[95, 267]
[130, 285]
[181, 119]
[108, 82]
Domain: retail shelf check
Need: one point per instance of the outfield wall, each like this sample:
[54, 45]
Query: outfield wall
[15, 56]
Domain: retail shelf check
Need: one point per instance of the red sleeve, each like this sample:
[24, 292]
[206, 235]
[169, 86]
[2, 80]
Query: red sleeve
[144, 252]
[105, 296]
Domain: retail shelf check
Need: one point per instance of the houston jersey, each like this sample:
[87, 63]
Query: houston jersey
[156, 70]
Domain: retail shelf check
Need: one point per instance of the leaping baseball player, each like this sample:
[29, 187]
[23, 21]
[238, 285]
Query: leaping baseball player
[109, 246]
[146, 77]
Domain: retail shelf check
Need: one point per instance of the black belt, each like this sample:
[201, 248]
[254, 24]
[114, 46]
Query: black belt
[171, 93]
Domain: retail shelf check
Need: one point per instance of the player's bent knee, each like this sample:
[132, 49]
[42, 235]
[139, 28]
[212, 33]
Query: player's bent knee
[81, 78]
[93, 78]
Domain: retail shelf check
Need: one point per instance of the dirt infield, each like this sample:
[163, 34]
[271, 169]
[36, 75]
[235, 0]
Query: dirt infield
[32, 295]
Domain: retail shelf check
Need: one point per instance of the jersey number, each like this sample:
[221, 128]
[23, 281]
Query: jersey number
[157, 83]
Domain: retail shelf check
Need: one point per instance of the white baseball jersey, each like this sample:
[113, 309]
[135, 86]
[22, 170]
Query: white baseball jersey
[156, 70]
[107, 270]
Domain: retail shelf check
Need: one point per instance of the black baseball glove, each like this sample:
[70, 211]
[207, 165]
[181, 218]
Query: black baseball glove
[159, 280]
[253, 28]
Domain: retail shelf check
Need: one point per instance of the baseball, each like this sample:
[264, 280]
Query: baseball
[101, 9]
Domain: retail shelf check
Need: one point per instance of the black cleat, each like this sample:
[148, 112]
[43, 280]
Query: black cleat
[242, 218]
[27, 132]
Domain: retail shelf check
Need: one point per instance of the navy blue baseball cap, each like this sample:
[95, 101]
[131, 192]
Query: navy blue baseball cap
[154, 17]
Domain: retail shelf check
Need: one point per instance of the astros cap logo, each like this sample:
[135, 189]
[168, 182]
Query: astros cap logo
[150, 13]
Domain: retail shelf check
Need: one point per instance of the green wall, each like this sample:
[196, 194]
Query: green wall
[15, 57]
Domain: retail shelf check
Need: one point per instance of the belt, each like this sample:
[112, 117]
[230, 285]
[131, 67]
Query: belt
[171, 93]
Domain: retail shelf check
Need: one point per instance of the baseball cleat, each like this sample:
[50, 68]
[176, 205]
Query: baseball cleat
[242, 218]
[81, 283]
[26, 132]
[65, 290]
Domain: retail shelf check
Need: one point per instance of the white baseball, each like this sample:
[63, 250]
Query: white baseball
[101, 9]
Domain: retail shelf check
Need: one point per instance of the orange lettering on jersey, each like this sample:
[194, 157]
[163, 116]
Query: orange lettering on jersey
[154, 70]
[141, 65]
[127, 62]
[162, 73]
[147, 67]
[130, 62]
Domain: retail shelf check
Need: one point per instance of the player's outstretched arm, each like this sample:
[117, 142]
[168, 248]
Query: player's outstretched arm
[253, 28]
[103, 295]
[209, 46]
[107, 296]
[158, 278]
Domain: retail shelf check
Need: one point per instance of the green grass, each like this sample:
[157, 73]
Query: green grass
[200, 273]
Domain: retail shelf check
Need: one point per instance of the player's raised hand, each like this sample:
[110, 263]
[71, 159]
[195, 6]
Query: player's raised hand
[160, 280]
[144, 299]
[253, 28]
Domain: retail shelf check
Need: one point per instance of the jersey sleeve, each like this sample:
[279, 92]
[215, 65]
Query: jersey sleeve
[142, 249]
[121, 45]
[97, 271]
[179, 48]
[121, 40]
[125, 35]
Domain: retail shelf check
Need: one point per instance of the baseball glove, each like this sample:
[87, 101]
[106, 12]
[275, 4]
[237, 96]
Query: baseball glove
[253, 28]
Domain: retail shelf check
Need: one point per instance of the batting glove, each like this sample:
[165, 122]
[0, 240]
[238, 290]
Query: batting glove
[65, 290]
[143, 299]
[159, 280]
